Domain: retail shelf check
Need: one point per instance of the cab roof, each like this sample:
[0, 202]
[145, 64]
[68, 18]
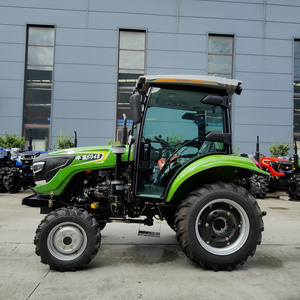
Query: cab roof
[214, 82]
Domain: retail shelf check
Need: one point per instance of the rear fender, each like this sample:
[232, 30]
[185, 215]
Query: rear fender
[211, 169]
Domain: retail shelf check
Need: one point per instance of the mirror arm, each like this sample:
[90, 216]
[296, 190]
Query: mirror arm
[124, 131]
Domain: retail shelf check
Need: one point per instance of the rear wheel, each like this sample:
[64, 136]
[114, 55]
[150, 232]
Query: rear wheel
[12, 180]
[219, 226]
[294, 189]
[252, 185]
[262, 187]
[67, 239]
[170, 217]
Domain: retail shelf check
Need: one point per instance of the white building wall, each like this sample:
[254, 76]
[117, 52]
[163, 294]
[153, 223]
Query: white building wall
[86, 59]
[12, 38]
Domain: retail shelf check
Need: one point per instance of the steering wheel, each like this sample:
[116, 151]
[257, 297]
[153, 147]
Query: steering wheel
[164, 143]
[184, 144]
[173, 155]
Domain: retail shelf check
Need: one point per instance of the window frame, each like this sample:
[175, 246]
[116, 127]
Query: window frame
[221, 74]
[41, 83]
[128, 83]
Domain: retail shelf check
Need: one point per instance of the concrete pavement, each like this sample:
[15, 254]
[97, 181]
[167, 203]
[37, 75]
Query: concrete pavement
[128, 266]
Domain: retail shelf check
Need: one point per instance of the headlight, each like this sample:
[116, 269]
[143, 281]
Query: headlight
[38, 167]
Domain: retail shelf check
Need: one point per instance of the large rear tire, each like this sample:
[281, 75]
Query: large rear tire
[67, 239]
[219, 226]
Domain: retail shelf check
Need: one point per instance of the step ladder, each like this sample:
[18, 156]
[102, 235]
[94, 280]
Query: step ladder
[153, 233]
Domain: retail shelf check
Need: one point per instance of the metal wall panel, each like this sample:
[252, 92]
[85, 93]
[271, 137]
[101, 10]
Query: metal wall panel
[263, 99]
[177, 42]
[222, 10]
[263, 46]
[96, 133]
[87, 91]
[153, 7]
[87, 37]
[86, 59]
[88, 110]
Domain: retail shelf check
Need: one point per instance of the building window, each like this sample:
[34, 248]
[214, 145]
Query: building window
[132, 46]
[297, 89]
[38, 85]
[220, 55]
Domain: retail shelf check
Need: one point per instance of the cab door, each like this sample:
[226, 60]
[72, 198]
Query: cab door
[172, 135]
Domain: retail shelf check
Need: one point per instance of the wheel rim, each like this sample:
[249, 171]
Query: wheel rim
[67, 241]
[222, 227]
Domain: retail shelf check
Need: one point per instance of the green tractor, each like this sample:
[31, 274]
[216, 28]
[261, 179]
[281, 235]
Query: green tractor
[174, 165]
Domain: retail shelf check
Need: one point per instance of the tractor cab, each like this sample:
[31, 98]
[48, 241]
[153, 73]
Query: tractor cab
[175, 124]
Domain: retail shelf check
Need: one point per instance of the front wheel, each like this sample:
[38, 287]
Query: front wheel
[3, 172]
[219, 226]
[67, 239]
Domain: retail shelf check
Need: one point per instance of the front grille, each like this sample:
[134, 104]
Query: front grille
[52, 165]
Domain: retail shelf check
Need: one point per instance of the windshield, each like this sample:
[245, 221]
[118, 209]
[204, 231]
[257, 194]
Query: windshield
[174, 130]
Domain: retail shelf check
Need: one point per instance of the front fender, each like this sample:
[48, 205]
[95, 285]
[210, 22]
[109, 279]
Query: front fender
[210, 169]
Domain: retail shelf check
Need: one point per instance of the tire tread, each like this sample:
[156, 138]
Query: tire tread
[71, 212]
[184, 210]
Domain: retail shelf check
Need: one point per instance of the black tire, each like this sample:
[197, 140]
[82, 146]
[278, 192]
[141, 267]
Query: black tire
[12, 180]
[3, 171]
[67, 239]
[252, 185]
[262, 187]
[102, 224]
[219, 226]
[294, 189]
[170, 217]
[171, 222]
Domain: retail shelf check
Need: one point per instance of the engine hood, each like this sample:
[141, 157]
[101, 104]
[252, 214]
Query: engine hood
[52, 171]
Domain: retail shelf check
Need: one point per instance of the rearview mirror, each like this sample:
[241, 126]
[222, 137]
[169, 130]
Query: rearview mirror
[219, 137]
[216, 100]
[136, 108]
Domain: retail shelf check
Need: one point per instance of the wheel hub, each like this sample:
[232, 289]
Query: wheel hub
[67, 239]
[222, 227]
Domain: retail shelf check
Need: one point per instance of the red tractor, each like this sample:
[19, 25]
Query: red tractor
[280, 169]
